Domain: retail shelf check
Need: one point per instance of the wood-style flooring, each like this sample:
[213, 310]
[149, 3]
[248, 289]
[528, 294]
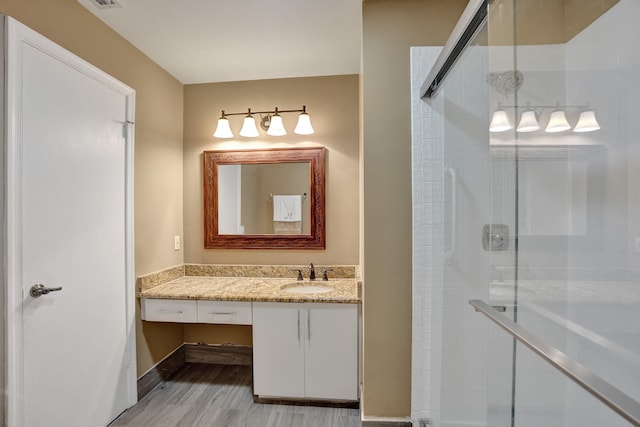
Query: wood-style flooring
[220, 396]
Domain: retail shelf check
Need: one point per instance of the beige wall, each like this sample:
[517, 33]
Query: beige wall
[543, 21]
[158, 144]
[390, 27]
[332, 103]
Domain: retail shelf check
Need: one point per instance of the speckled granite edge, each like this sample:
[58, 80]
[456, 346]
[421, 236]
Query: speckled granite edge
[273, 271]
[151, 280]
[265, 289]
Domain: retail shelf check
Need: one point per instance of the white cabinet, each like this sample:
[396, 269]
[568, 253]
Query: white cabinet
[305, 350]
[192, 311]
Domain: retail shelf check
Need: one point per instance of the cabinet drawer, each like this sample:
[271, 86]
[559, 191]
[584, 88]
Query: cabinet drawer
[228, 312]
[169, 310]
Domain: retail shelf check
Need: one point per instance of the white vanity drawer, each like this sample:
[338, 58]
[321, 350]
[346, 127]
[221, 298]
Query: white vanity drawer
[169, 310]
[229, 312]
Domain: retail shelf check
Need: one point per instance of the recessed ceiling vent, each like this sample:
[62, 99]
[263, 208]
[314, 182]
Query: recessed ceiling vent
[107, 4]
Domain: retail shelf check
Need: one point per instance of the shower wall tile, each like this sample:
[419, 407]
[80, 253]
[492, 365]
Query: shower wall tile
[428, 235]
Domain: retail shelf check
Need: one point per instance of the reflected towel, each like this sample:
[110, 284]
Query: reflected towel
[287, 208]
[281, 227]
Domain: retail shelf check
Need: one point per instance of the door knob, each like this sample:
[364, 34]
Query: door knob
[40, 289]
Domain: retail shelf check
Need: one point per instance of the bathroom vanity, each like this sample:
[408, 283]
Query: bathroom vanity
[305, 333]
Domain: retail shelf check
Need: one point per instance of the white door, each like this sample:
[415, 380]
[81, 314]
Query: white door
[72, 351]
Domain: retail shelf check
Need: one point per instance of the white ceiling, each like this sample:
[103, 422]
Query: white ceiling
[201, 41]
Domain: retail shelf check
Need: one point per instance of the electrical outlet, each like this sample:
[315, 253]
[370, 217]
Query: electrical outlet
[176, 243]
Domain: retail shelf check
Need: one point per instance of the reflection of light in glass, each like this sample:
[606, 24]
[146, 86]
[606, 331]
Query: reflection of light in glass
[587, 122]
[500, 122]
[558, 122]
[528, 122]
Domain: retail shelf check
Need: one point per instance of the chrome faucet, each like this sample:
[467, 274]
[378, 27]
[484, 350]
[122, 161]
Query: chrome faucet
[312, 272]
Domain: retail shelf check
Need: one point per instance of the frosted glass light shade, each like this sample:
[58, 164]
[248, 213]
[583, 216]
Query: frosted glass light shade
[304, 125]
[249, 128]
[557, 122]
[528, 122]
[587, 122]
[223, 130]
[276, 128]
[500, 122]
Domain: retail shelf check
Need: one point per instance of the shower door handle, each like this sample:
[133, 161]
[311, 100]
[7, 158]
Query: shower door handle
[449, 170]
[616, 399]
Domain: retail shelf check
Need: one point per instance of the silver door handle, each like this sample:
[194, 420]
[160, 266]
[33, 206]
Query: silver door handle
[40, 289]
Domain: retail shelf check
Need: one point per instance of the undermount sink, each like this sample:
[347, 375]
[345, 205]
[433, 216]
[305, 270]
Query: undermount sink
[307, 288]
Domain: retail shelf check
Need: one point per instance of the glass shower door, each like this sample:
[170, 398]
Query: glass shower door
[479, 183]
[536, 220]
[577, 206]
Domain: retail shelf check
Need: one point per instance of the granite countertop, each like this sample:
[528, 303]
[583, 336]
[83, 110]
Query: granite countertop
[346, 290]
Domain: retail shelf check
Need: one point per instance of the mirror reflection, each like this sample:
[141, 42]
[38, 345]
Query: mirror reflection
[264, 198]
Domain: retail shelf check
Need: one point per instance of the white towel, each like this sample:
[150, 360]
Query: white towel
[281, 227]
[287, 208]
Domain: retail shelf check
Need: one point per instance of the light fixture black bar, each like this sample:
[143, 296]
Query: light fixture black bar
[276, 110]
[470, 22]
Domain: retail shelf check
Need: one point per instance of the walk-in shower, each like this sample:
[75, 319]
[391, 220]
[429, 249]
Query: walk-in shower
[526, 217]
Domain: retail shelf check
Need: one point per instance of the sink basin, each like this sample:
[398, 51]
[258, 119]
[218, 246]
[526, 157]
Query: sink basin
[299, 288]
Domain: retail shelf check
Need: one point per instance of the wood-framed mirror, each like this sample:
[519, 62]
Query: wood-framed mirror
[264, 198]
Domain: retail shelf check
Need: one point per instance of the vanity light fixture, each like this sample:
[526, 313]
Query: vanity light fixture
[304, 123]
[276, 127]
[249, 128]
[271, 122]
[223, 130]
[558, 122]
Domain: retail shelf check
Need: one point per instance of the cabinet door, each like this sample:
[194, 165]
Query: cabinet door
[331, 351]
[278, 349]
